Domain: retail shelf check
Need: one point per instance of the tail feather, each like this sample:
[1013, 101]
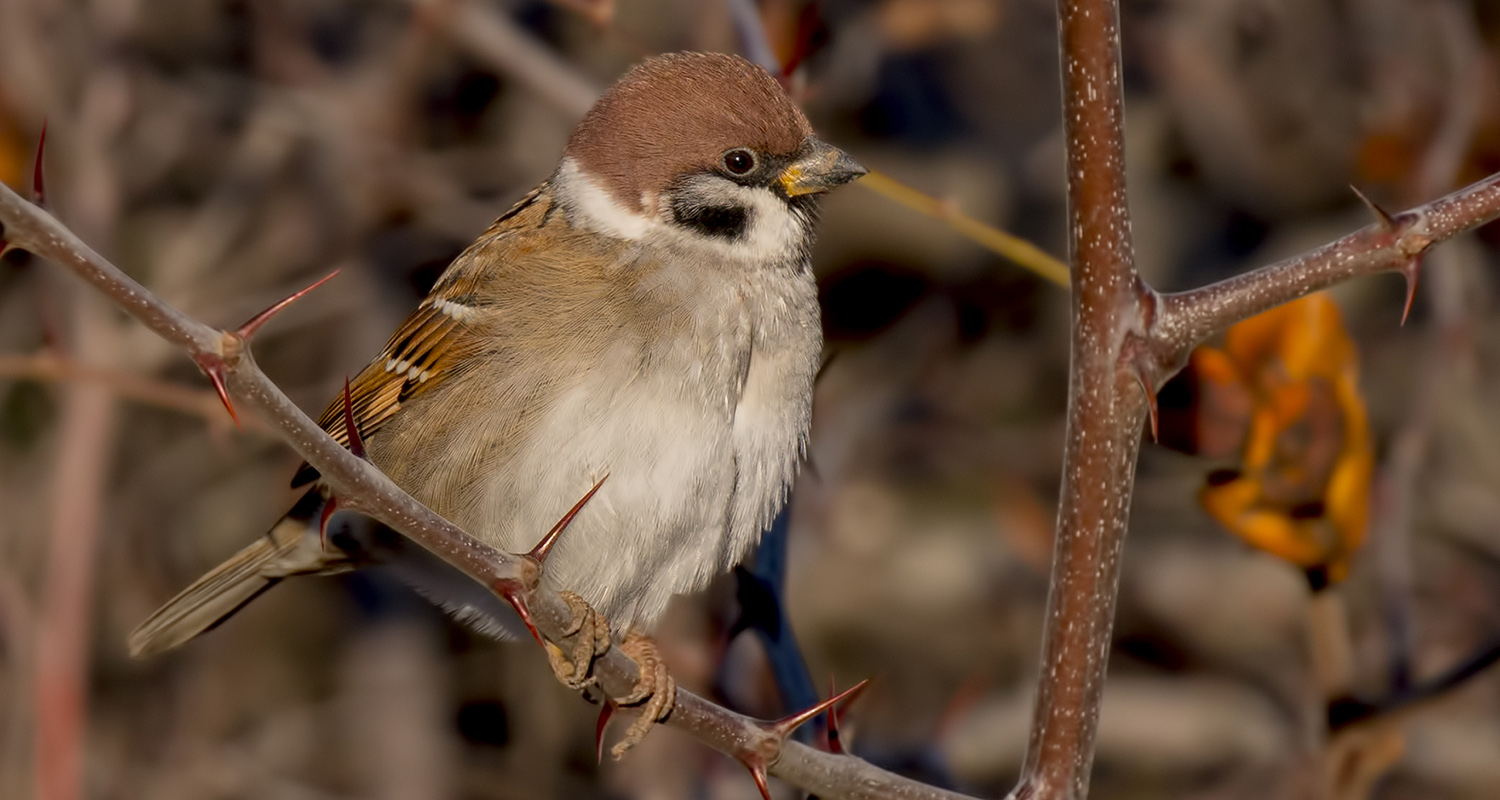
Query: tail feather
[293, 546]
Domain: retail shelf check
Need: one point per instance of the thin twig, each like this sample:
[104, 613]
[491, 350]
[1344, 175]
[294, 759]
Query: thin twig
[360, 486]
[127, 385]
[1187, 318]
[1021, 252]
[494, 39]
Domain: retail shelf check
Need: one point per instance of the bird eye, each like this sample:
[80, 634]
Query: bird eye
[739, 161]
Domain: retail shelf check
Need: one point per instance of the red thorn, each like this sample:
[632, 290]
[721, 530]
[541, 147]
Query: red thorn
[544, 547]
[605, 714]
[784, 726]
[758, 772]
[515, 594]
[835, 740]
[253, 324]
[1383, 219]
[213, 367]
[764, 750]
[38, 188]
[1145, 384]
[1410, 270]
[356, 442]
[328, 510]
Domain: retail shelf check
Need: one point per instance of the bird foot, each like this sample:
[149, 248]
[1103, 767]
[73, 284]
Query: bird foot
[591, 639]
[655, 691]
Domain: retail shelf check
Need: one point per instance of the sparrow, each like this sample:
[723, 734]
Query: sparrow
[648, 313]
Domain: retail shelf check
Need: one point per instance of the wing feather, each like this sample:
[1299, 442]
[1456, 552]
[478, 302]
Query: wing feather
[429, 349]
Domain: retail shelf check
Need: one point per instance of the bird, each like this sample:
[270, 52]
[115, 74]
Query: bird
[648, 313]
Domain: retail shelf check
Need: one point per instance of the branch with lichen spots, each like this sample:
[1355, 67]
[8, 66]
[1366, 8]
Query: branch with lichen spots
[359, 486]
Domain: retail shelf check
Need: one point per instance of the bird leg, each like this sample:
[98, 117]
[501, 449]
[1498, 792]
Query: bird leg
[591, 638]
[655, 691]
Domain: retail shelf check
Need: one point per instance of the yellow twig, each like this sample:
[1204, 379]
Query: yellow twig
[1014, 248]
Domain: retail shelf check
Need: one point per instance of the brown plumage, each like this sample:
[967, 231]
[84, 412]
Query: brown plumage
[647, 313]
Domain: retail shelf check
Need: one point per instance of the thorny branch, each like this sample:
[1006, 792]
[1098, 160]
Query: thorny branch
[1393, 243]
[1126, 339]
[361, 487]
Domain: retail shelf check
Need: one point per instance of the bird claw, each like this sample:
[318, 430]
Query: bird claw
[590, 632]
[655, 691]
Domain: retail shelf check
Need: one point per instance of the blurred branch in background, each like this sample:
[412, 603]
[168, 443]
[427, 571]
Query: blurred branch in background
[1023, 253]
[193, 402]
[224, 154]
[358, 486]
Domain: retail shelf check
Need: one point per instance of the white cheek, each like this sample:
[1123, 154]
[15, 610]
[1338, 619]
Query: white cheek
[597, 210]
[775, 235]
[775, 231]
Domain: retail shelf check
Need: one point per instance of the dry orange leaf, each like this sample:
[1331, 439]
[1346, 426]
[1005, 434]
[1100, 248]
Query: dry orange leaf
[14, 157]
[1302, 488]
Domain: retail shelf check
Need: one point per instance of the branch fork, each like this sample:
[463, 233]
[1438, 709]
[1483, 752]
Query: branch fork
[1104, 420]
[763, 749]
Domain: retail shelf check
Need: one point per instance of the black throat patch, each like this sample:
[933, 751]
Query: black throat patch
[722, 222]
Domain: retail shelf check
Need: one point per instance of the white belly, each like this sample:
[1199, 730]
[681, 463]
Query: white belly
[700, 444]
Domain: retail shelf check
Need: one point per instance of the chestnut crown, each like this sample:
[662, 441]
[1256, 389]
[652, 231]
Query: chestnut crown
[682, 113]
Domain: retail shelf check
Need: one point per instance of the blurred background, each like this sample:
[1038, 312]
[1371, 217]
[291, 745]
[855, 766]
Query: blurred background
[228, 153]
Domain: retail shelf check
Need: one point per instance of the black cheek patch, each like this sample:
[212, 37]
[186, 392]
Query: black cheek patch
[724, 222]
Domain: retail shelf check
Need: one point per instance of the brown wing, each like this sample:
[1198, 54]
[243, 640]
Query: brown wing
[430, 348]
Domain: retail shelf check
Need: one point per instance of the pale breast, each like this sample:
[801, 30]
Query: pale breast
[700, 439]
[774, 409]
[697, 414]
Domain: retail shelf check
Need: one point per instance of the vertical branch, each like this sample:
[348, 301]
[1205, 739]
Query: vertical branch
[78, 483]
[1105, 410]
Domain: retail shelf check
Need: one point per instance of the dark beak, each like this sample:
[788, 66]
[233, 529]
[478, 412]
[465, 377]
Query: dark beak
[823, 167]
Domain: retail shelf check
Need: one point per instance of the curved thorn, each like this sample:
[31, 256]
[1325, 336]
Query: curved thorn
[356, 442]
[1410, 270]
[38, 187]
[1382, 218]
[835, 739]
[605, 714]
[544, 547]
[758, 773]
[215, 373]
[253, 324]
[515, 594]
[784, 726]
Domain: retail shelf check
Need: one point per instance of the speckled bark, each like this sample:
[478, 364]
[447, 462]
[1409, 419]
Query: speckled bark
[359, 485]
[1106, 408]
[1188, 318]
